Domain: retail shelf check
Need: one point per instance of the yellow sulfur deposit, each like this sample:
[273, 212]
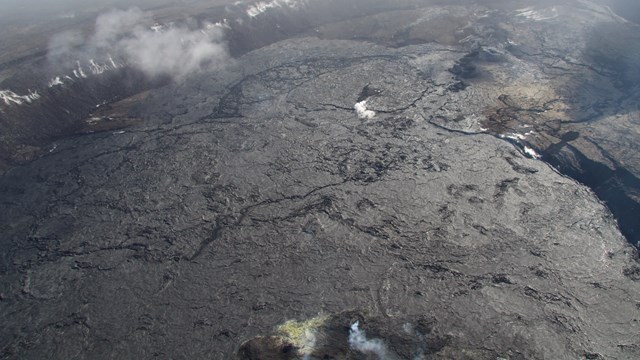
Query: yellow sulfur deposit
[302, 334]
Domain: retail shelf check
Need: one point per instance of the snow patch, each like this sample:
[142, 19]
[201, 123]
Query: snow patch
[97, 68]
[56, 81]
[11, 98]
[538, 15]
[224, 24]
[113, 63]
[529, 151]
[262, 6]
[157, 27]
[514, 136]
[362, 111]
[518, 136]
[79, 72]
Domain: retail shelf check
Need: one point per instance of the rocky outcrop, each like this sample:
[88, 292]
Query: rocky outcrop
[30, 126]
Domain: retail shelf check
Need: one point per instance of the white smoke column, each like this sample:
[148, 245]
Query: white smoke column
[358, 341]
[309, 343]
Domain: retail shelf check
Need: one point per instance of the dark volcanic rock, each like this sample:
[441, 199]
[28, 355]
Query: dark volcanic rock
[29, 129]
[257, 195]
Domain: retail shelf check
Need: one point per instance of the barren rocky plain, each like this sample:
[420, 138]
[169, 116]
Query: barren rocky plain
[460, 179]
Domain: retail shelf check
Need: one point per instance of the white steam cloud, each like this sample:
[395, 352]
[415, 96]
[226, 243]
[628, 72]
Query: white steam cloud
[362, 111]
[176, 51]
[358, 341]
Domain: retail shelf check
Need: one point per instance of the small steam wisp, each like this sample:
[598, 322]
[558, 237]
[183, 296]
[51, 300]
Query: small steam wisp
[358, 341]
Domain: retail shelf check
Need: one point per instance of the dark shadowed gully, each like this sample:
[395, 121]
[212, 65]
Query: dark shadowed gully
[375, 187]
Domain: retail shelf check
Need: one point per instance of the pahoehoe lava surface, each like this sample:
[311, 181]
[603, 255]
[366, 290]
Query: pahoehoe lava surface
[255, 195]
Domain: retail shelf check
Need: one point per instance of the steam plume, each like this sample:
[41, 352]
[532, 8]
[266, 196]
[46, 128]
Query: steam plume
[358, 341]
[362, 111]
[175, 51]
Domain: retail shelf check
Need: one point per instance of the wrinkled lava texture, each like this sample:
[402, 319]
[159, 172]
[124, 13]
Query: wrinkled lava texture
[255, 194]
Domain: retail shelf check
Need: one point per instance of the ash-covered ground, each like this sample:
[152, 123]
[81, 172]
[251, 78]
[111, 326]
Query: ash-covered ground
[386, 170]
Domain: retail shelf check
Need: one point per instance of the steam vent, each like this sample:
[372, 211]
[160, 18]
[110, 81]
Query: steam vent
[321, 179]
